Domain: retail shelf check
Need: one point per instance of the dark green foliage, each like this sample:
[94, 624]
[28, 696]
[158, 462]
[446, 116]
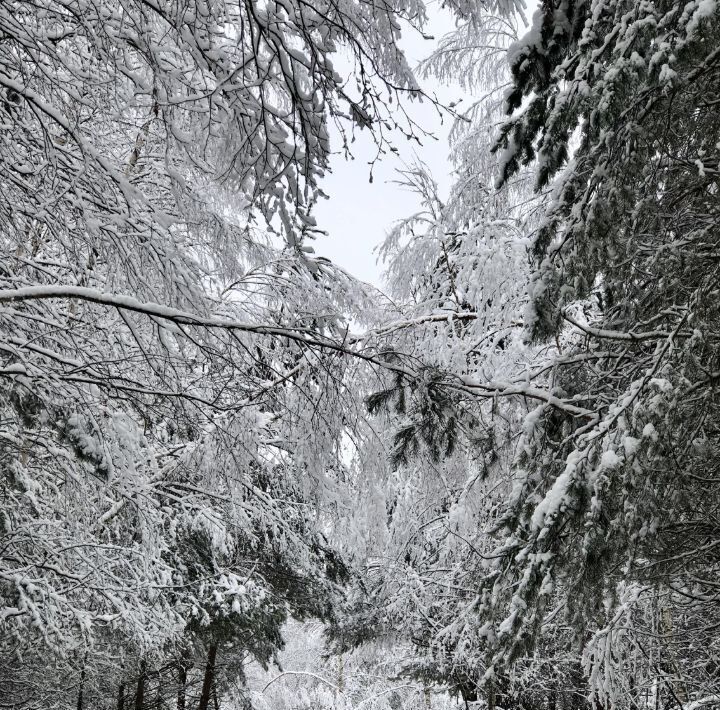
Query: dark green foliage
[626, 274]
[430, 416]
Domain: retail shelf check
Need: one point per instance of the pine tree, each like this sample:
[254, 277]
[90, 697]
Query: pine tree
[616, 506]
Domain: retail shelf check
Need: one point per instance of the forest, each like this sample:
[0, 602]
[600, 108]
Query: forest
[233, 476]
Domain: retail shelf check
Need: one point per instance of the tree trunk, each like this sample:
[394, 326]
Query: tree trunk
[681, 696]
[121, 696]
[80, 689]
[182, 679]
[140, 694]
[491, 695]
[208, 679]
[158, 694]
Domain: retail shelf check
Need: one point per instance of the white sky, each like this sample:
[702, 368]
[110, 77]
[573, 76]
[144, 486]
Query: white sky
[359, 214]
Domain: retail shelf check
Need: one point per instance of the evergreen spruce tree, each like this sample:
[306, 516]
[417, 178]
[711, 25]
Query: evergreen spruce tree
[616, 508]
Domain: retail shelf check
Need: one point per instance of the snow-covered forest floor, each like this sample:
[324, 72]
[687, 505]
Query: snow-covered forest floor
[234, 475]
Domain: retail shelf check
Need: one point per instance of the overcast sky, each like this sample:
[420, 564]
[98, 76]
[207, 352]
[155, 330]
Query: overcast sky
[359, 213]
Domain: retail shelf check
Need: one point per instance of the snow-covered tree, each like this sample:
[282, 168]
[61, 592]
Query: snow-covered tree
[605, 525]
[614, 512]
[457, 278]
[171, 395]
